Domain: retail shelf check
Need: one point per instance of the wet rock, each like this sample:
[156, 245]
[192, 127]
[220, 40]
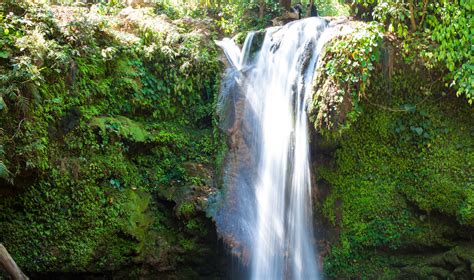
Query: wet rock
[456, 263]
[332, 106]
[140, 3]
[236, 117]
[67, 123]
[285, 18]
[196, 193]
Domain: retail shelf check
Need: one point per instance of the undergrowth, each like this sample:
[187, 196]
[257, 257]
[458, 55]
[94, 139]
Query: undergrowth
[97, 121]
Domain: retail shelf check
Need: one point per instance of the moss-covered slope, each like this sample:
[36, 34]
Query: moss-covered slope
[106, 141]
[399, 170]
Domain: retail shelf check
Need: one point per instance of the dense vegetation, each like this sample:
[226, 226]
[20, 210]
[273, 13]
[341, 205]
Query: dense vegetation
[401, 184]
[109, 148]
[397, 143]
[106, 131]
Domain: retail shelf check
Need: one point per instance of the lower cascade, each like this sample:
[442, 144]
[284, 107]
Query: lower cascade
[267, 218]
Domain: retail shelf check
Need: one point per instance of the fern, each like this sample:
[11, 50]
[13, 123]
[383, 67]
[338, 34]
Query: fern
[4, 173]
[23, 103]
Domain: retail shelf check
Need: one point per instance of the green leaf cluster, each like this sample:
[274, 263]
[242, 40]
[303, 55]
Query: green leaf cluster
[435, 32]
[347, 65]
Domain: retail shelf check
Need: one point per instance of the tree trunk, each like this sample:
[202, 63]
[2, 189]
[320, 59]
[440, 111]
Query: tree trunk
[412, 15]
[308, 10]
[261, 9]
[10, 266]
[285, 4]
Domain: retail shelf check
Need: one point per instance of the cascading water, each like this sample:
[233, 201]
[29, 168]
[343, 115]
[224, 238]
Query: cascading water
[271, 196]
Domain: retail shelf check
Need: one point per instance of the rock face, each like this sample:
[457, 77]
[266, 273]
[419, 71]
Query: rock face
[332, 106]
[456, 263]
[235, 121]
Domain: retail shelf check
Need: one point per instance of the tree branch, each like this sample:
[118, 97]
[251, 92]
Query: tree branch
[423, 14]
[7, 262]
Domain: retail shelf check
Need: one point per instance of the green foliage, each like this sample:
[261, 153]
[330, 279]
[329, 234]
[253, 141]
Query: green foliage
[4, 173]
[452, 31]
[440, 32]
[404, 159]
[229, 16]
[330, 7]
[97, 117]
[76, 220]
[139, 220]
[3, 170]
[186, 209]
[347, 65]
[352, 59]
[243, 16]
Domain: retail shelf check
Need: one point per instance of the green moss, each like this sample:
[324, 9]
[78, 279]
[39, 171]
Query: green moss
[402, 181]
[139, 220]
[63, 226]
[186, 209]
[122, 126]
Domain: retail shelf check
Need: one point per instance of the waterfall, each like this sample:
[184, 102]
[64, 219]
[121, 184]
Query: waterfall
[268, 202]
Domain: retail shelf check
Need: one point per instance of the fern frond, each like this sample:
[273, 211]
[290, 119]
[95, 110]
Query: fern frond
[23, 103]
[4, 173]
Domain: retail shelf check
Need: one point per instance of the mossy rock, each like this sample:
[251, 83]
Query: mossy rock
[122, 126]
[401, 184]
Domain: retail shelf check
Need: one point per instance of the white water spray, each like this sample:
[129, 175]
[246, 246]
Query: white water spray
[277, 87]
